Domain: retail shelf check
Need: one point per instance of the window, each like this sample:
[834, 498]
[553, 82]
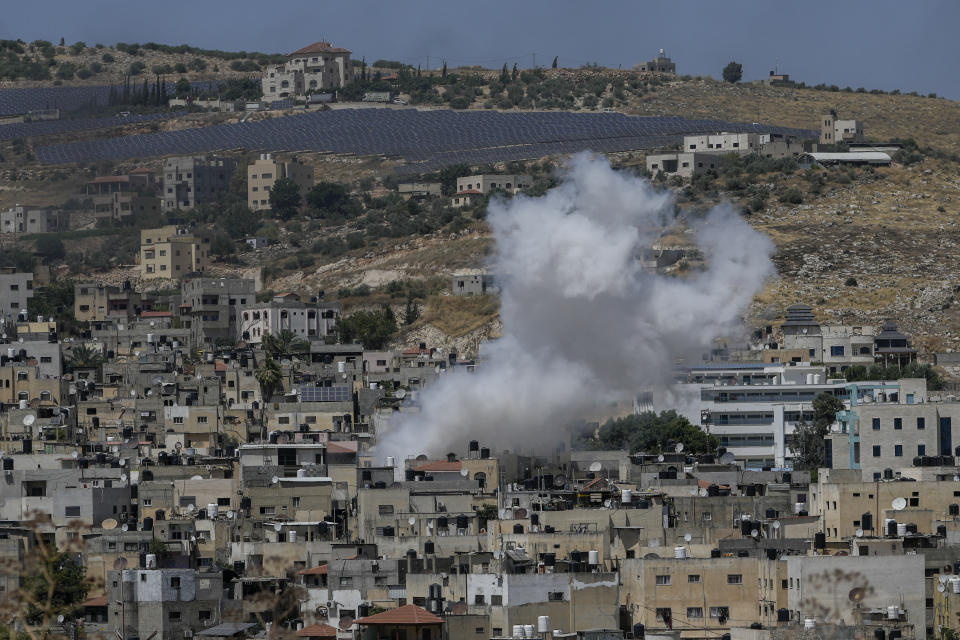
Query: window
[173, 615]
[496, 600]
[385, 509]
[898, 423]
[694, 612]
[148, 502]
[555, 596]
[346, 581]
[706, 516]
[734, 578]
[836, 350]
[478, 599]
[663, 581]
[898, 450]
[664, 614]
[204, 615]
[720, 612]
[876, 451]
[876, 424]
[296, 502]
[693, 578]
[175, 582]
[223, 502]
[267, 511]
[921, 449]
[921, 423]
[71, 512]
[178, 420]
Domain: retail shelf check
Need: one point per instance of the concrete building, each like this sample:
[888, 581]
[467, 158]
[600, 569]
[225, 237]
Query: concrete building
[474, 284]
[835, 346]
[24, 219]
[93, 302]
[173, 603]
[209, 307]
[684, 164]
[314, 68]
[116, 197]
[190, 180]
[849, 158]
[172, 252]
[419, 190]
[265, 171]
[834, 131]
[660, 64]
[486, 183]
[310, 320]
[16, 289]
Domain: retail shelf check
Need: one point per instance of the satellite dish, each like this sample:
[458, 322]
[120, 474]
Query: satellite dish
[178, 446]
[190, 508]
[596, 466]
[133, 393]
[196, 477]
[899, 504]
[694, 492]
[651, 556]
[278, 526]
[660, 458]
[108, 524]
[60, 619]
[703, 492]
[124, 528]
[464, 472]
[123, 477]
[678, 448]
[29, 419]
[412, 520]
[776, 524]
[274, 479]
[728, 458]
[520, 513]
[606, 504]
[859, 533]
[754, 533]
[193, 538]
[229, 515]
[857, 594]
[941, 587]
[122, 461]
[75, 455]
[559, 481]
[687, 537]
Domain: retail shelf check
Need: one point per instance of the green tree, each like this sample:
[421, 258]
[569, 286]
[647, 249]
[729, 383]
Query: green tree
[555, 59]
[650, 432]
[515, 73]
[270, 378]
[412, 312]
[239, 220]
[733, 72]
[182, 88]
[49, 247]
[285, 342]
[331, 200]
[807, 446]
[57, 587]
[372, 328]
[504, 74]
[285, 198]
[83, 356]
[222, 245]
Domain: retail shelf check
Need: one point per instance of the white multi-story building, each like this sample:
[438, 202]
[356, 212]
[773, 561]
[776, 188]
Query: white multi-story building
[286, 312]
[316, 67]
[754, 408]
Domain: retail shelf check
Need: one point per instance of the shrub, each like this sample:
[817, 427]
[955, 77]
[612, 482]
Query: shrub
[850, 282]
[136, 68]
[108, 58]
[791, 196]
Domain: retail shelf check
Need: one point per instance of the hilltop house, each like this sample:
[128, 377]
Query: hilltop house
[316, 67]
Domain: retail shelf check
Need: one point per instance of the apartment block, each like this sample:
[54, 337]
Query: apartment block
[172, 252]
[265, 171]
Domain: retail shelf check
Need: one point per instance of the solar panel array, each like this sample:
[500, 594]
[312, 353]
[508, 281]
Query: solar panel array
[334, 393]
[15, 102]
[428, 140]
[51, 127]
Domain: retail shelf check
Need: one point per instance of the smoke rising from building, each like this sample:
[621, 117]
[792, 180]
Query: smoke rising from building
[584, 324]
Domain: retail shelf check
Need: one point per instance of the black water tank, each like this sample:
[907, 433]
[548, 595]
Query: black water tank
[771, 553]
[547, 481]
[866, 521]
[894, 634]
[783, 615]
[518, 528]
[366, 475]
[548, 529]
[892, 529]
[787, 477]
[462, 522]
[745, 527]
[388, 532]
[549, 559]
[379, 484]
[574, 556]
[750, 490]
[428, 547]
[917, 462]
[8, 464]
[942, 530]
[411, 553]
[771, 513]
[474, 445]
[713, 490]
[409, 475]
[743, 554]
[28, 446]
[879, 634]
[245, 503]
[442, 522]
[202, 514]
[954, 509]
[715, 553]
[911, 527]
[484, 453]
[820, 540]
[643, 503]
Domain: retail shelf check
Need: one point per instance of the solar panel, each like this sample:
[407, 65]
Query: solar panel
[427, 140]
[335, 393]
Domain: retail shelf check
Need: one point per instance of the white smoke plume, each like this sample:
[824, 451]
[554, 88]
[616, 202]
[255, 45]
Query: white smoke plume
[584, 325]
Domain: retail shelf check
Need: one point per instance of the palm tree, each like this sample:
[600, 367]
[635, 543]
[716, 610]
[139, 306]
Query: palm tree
[284, 343]
[84, 357]
[269, 376]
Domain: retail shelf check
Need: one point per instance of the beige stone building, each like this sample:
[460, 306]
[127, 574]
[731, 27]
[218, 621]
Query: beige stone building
[172, 252]
[264, 172]
[316, 67]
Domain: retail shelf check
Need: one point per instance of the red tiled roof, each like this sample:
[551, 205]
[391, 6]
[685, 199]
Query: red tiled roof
[155, 314]
[316, 571]
[99, 601]
[139, 170]
[349, 446]
[318, 631]
[414, 352]
[410, 614]
[440, 465]
[318, 47]
[220, 365]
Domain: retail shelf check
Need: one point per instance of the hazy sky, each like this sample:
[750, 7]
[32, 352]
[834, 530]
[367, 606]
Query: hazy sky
[870, 43]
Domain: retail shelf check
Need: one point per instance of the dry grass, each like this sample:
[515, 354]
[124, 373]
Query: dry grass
[459, 315]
